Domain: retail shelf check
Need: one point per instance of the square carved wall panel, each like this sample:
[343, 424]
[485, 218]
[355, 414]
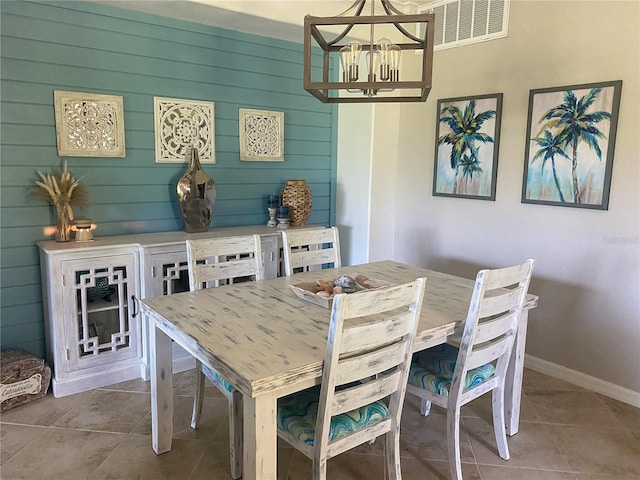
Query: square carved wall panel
[88, 124]
[261, 135]
[180, 124]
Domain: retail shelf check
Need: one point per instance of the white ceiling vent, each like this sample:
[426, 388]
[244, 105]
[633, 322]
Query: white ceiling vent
[461, 22]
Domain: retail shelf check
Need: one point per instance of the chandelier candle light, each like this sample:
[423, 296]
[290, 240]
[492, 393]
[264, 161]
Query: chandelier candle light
[380, 76]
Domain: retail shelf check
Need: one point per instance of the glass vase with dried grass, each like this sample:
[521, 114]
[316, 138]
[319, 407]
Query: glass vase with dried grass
[63, 191]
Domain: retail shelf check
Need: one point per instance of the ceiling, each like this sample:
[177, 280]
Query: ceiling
[278, 19]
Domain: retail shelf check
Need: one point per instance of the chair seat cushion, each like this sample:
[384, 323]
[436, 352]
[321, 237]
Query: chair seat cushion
[432, 370]
[217, 379]
[297, 415]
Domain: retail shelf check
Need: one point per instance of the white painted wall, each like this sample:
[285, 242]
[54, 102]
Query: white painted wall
[353, 195]
[588, 261]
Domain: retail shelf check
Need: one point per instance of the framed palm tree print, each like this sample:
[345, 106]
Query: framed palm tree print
[466, 158]
[570, 140]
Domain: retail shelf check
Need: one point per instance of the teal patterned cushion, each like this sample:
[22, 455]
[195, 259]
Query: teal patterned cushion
[215, 377]
[297, 415]
[432, 370]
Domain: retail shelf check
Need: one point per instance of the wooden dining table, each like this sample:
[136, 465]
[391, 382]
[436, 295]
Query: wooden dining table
[269, 343]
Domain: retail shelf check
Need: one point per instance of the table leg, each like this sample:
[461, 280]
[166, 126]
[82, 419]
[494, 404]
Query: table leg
[260, 438]
[161, 389]
[513, 382]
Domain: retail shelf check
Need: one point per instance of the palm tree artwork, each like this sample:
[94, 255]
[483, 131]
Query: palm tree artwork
[466, 147]
[568, 161]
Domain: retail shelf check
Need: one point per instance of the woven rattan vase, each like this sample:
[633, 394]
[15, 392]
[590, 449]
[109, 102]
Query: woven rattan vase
[297, 195]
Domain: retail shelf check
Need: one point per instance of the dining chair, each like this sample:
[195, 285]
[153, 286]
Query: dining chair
[214, 262]
[451, 376]
[364, 378]
[309, 249]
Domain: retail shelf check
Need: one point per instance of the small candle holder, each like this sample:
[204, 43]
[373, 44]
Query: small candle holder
[83, 230]
[273, 203]
[282, 215]
[272, 217]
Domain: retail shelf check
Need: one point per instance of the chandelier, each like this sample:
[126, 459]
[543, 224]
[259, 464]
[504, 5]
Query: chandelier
[361, 62]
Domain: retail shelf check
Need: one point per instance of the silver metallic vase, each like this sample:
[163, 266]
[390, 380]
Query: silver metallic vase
[196, 195]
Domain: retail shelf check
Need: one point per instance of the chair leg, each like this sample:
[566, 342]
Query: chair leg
[497, 396]
[392, 454]
[319, 468]
[199, 395]
[425, 407]
[235, 434]
[453, 440]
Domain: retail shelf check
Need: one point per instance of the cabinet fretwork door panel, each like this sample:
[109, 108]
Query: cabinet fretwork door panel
[175, 277]
[104, 327]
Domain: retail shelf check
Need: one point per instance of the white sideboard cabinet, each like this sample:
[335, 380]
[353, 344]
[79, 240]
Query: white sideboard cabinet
[93, 332]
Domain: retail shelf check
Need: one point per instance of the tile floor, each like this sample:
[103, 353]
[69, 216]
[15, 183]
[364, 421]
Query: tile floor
[566, 433]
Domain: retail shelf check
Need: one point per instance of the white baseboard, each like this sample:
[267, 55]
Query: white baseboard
[583, 380]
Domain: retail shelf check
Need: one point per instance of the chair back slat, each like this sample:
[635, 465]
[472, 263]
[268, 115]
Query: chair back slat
[310, 249]
[225, 259]
[500, 302]
[228, 269]
[495, 327]
[385, 349]
[358, 336]
[378, 301]
[507, 276]
[304, 258]
[371, 363]
[364, 393]
[489, 351]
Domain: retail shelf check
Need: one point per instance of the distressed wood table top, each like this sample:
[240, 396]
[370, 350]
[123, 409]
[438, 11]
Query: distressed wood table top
[262, 337]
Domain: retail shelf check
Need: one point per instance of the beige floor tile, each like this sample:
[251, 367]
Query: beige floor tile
[61, 454]
[107, 411]
[609, 451]
[481, 408]
[215, 462]
[421, 469]
[135, 385]
[213, 425]
[135, 459]
[185, 385]
[595, 451]
[533, 381]
[348, 466]
[595, 476]
[45, 411]
[531, 447]
[628, 415]
[426, 437]
[572, 408]
[491, 472]
[14, 438]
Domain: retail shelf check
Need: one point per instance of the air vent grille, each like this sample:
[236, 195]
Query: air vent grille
[461, 22]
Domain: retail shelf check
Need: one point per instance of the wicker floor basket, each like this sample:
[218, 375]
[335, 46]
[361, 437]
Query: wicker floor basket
[23, 378]
[297, 196]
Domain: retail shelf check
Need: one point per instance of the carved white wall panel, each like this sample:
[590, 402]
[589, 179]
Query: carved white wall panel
[261, 135]
[89, 125]
[180, 124]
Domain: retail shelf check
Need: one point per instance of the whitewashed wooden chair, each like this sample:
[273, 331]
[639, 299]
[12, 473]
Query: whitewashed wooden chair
[310, 249]
[451, 377]
[364, 379]
[216, 262]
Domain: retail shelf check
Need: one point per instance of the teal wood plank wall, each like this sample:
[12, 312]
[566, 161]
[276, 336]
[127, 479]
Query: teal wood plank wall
[87, 47]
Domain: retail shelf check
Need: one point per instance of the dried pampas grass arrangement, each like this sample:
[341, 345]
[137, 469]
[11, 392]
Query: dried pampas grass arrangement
[63, 191]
